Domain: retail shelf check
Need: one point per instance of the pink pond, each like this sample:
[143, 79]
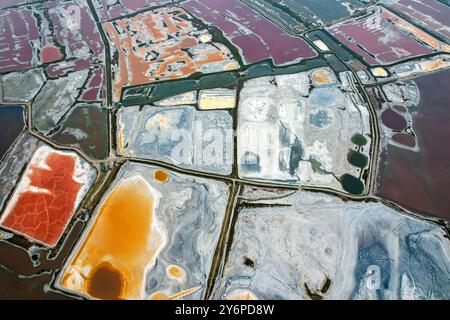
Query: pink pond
[431, 14]
[256, 37]
[377, 40]
[114, 9]
[95, 87]
[420, 179]
[18, 30]
[26, 41]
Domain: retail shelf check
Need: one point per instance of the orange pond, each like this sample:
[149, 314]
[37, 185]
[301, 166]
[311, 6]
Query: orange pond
[161, 176]
[121, 243]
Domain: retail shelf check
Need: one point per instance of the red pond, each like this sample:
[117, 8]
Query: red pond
[44, 206]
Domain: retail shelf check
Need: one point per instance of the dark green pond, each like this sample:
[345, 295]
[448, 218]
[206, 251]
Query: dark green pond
[352, 184]
[357, 159]
[86, 127]
[359, 140]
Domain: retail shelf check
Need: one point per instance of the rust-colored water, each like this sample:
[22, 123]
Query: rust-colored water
[161, 176]
[106, 282]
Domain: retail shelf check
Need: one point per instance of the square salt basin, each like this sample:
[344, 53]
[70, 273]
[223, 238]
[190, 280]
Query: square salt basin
[153, 236]
[47, 195]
